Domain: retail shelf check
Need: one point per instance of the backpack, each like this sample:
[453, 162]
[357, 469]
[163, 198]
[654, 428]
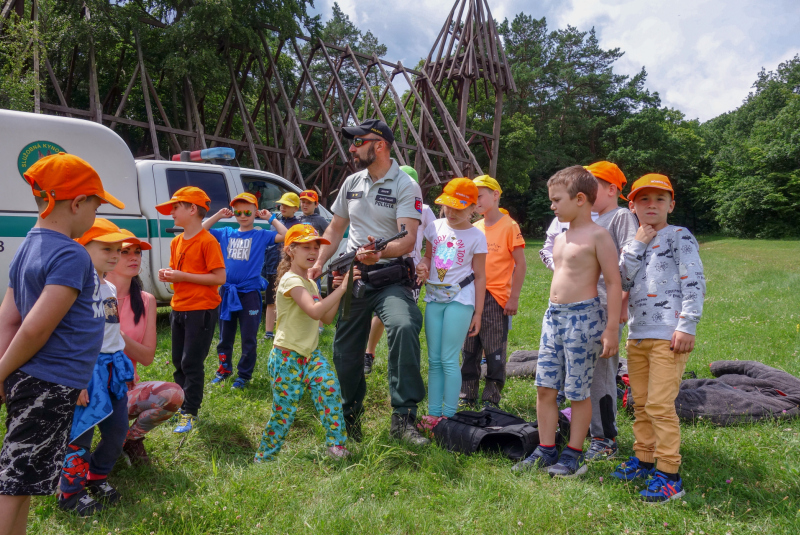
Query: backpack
[493, 430]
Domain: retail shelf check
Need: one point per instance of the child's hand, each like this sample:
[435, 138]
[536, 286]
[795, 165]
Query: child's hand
[225, 212]
[681, 343]
[512, 305]
[83, 398]
[170, 275]
[645, 234]
[341, 280]
[263, 214]
[161, 275]
[610, 339]
[474, 326]
[423, 272]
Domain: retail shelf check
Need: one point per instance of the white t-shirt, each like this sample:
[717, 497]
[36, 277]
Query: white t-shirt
[428, 217]
[112, 336]
[452, 256]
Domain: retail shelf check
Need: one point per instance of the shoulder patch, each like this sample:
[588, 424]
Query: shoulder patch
[354, 195]
[418, 204]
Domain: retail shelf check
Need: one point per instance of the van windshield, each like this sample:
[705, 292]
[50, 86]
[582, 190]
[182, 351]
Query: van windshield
[212, 183]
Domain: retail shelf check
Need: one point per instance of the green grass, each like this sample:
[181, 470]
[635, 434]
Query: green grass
[208, 484]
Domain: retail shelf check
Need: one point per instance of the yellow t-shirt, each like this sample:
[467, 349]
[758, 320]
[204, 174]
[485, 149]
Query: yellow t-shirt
[295, 329]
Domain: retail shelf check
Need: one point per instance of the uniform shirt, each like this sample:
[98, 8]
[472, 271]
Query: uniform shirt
[373, 208]
[502, 238]
[452, 252]
[316, 221]
[243, 252]
[199, 255]
[46, 257]
[112, 337]
[428, 217]
[295, 329]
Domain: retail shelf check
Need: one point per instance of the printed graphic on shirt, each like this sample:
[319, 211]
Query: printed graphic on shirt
[448, 251]
[110, 310]
[239, 248]
[96, 307]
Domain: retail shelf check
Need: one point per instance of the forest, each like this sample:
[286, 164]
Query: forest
[736, 174]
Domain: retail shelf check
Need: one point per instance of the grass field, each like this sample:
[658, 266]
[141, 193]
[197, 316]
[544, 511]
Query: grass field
[739, 479]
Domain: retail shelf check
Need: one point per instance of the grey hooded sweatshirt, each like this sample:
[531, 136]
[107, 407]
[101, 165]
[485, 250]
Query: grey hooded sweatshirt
[666, 283]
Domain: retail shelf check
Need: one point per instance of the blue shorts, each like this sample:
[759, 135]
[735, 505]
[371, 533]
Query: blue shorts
[570, 346]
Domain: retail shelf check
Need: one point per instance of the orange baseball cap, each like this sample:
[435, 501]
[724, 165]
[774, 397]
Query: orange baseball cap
[651, 180]
[246, 197]
[610, 173]
[302, 234]
[309, 194]
[64, 176]
[459, 193]
[133, 240]
[188, 194]
[104, 231]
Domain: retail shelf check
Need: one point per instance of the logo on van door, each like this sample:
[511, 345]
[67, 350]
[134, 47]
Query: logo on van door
[33, 152]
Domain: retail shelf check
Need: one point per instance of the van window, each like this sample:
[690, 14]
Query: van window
[214, 184]
[266, 191]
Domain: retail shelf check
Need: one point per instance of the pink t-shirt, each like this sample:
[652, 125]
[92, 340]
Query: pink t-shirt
[134, 330]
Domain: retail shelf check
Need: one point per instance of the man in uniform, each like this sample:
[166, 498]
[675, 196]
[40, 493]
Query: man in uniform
[375, 202]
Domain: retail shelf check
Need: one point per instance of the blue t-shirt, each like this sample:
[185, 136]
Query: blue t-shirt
[273, 255]
[46, 257]
[243, 252]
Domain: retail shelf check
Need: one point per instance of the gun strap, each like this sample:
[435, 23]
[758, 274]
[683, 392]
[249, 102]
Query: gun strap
[348, 294]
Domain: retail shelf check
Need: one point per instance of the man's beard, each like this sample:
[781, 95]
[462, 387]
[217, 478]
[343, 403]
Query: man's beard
[366, 161]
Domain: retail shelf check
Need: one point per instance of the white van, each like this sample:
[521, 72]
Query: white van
[140, 184]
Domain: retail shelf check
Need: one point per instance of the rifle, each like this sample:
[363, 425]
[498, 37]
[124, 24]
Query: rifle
[346, 263]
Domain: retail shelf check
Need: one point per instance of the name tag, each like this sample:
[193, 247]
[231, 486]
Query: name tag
[354, 195]
[385, 201]
[384, 191]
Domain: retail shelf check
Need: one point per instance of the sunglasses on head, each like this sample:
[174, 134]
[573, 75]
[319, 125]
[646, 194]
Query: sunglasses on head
[358, 141]
[246, 213]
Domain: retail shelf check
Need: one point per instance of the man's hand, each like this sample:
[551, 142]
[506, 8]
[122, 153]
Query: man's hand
[170, 275]
[314, 272]
[645, 234]
[366, 255]
[512, 305]
[610, 339]
[681, 343]
[83, 398]
[263, 214]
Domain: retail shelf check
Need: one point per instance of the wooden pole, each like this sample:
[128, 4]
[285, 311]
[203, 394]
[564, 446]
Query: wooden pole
[148, 108]
[37, 91]
[175, 145]
[125, 95]
[498, 115]
[243, 113]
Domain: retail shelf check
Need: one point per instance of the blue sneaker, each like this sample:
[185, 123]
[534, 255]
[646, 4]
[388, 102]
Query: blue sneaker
[186, 423]
[175, 418]
[239, 384]
[632, 469]
[540, 459]
[219, 377]
[269, 335]
[661, 489]
[570, 464]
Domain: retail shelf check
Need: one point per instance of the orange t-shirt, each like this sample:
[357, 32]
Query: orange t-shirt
[200, 255]
[502, 238]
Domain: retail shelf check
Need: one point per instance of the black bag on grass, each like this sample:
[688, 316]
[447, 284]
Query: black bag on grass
[493, 430]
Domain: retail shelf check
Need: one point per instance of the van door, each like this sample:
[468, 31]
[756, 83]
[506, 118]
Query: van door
[169, 178]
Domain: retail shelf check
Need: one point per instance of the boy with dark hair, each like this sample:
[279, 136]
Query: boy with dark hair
[505, 274]
[51, 330]
[288, 205]
[244, 250]
[196, 271]
[309, 201]
[575, 330]
[662, 270]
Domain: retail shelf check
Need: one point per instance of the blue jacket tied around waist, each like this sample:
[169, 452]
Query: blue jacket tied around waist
[230, 295]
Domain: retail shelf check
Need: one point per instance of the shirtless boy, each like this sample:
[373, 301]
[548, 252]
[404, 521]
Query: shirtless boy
[574, 330]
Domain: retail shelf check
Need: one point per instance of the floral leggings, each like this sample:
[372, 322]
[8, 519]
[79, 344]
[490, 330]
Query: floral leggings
[292, 374]
[151, 403]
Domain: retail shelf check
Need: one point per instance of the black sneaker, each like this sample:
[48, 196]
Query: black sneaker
[570, 464]
[487, 404]
[540, 459]
[103, 492]
[404, 428]
[369, 358]
[80, 503]
[465, 404]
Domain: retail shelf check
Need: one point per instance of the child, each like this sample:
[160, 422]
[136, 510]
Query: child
[621, 224]
[196, 271]
[505, 273]
[454, 307]
[288, 204]
[51, 330]
[662, 270]
[104, 402]
[295, 362]
[244, 251]
[309, 200]
[377, 328]
[574, 330]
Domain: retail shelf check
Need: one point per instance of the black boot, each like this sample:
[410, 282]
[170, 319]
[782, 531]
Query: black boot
[404, 428]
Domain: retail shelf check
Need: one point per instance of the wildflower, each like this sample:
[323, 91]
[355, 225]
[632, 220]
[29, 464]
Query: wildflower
[397, 493]
[238, 516]
[728, 481]
[519, 523]
[665, 524]
[373, 495]
[601, 479]
[589, 514]
[225, 508]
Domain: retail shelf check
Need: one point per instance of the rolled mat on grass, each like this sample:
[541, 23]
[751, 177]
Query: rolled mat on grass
[520, 364]
[743, 391]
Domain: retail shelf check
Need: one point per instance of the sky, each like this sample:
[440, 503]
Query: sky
[701, 56]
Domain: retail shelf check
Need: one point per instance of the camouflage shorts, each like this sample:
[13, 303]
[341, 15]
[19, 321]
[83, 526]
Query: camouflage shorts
[570, 346]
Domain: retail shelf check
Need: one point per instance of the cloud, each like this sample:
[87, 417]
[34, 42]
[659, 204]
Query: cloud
[702, 56]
